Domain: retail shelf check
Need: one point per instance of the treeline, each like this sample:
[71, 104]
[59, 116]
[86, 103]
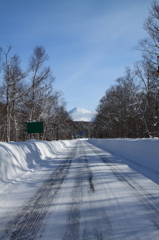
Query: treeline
[130, 108]
[29, 96]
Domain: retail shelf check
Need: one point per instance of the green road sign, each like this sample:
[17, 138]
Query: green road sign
[35, 127]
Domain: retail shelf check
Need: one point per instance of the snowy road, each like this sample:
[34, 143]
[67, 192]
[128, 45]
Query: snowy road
[89, 194]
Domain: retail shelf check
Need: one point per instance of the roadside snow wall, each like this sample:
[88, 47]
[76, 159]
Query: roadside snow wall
[144, 152]
[16, 158]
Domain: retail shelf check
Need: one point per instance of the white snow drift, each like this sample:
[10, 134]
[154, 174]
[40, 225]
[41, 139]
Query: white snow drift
[17, 158]
[144, 152]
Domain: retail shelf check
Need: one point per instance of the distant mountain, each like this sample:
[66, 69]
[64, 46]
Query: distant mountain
[82, 115]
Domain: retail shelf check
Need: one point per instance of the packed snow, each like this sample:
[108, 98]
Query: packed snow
[141, 154]
[82, 115]
[19, 158]
[79, 189]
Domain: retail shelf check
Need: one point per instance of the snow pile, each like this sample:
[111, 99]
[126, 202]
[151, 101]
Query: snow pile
[144, 152]
[82, 115]
[20, 157]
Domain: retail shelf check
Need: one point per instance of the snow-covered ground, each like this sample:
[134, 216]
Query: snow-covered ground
[140, 154]
[20, 158]
[80, 189]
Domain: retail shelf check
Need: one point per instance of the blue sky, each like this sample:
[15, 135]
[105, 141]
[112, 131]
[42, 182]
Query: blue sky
[89, 42]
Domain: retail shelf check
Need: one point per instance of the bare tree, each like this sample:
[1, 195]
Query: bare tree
[41, 82]
[150, 45]
[37, 101]
[12, 77]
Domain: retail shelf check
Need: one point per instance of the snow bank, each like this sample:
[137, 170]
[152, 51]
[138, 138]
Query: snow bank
[16, 158]
[144, 152]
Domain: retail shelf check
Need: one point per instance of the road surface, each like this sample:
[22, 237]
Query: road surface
[90, 194]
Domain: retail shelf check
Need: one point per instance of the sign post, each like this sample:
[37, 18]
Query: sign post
[81, 134]
[35, 127]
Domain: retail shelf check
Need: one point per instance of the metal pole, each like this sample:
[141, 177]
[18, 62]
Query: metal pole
[158, 64]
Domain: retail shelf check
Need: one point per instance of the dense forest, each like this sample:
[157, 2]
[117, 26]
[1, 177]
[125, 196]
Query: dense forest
[130, 107]
[29, 96]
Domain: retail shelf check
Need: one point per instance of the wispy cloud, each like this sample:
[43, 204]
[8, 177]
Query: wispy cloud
[89, 42]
